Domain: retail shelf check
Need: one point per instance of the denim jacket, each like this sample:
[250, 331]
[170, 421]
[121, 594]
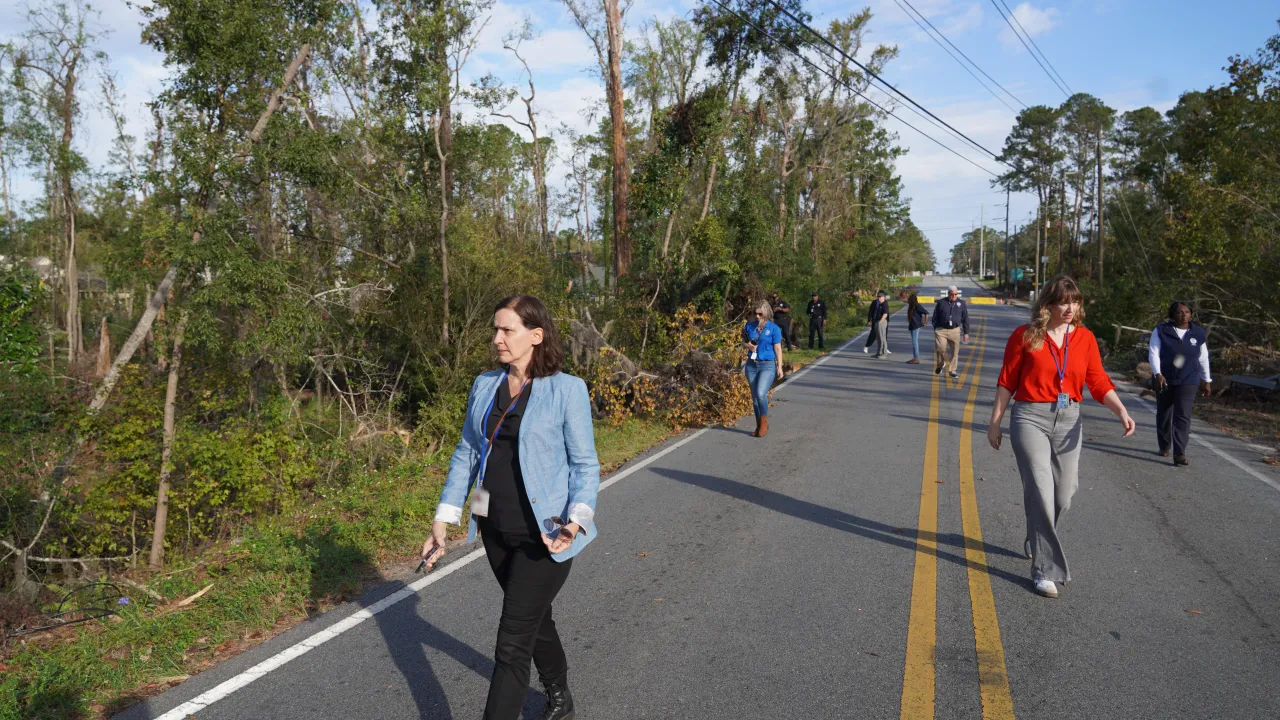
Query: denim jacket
[557, 455]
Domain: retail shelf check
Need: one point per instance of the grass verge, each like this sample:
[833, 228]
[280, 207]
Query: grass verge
[278, 573]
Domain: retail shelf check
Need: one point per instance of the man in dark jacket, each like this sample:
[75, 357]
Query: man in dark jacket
[878, 321]
[950, 316]
[817, 312]
[782, 318]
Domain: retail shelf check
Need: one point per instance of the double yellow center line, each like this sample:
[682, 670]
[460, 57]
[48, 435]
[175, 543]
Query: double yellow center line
[919, 674]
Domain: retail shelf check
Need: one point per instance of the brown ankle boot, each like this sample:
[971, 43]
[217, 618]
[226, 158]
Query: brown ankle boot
[756, 432]
[764, 426]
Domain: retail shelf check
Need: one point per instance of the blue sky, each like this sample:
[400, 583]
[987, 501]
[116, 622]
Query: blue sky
[1128, 53]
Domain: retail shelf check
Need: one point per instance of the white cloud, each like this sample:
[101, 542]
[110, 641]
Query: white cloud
[1034, 21]
[957, 25]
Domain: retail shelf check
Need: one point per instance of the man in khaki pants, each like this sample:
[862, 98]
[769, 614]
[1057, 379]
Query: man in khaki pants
[950, 318]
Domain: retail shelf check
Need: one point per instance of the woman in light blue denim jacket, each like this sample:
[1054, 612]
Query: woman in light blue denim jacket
[529, 451]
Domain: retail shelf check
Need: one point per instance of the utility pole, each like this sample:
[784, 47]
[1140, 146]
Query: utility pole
[982, 240]
[1016, 283]
[1007, 266]
[1036, 272]
[1098, 202]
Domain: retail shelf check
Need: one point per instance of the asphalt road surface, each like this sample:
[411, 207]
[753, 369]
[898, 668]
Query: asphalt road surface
[862, 561]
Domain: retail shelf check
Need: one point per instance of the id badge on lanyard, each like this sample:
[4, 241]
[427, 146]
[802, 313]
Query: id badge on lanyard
[1064, 398]
[480, 498]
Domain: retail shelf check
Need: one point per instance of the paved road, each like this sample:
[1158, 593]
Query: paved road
[861, 562]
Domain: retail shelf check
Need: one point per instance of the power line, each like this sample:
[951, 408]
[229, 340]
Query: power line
[994, 3]
[873, 74]
[1037, 47]
[858, 92]
[966, 57]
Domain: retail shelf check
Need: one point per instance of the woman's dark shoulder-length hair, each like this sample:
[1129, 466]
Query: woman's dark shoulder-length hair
[548, 357]
[1173, 309]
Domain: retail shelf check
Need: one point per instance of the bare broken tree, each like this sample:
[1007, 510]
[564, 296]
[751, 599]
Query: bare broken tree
[48, 67]
[602, 25]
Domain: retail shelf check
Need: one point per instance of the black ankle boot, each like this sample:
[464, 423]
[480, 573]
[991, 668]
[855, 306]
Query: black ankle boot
[559, 704]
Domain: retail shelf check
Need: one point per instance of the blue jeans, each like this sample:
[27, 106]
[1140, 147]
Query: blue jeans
[915, 343]
[760, 375]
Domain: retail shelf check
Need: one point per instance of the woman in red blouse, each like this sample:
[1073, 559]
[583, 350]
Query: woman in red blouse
[1047, 364]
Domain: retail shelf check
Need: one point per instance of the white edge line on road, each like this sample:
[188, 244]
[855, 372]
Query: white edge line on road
[1220, 453]
[302, 647]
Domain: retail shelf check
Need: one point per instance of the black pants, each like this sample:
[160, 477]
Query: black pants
[530, 580]
[1173, 416]
[873, 335]
[815, 326]
[784, 324]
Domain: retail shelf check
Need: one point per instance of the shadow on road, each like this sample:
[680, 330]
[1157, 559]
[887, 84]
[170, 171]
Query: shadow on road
[839, 520]
[408, 635]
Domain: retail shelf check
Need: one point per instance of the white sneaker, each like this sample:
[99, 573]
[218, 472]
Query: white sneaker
[888, 352]
[865, 351]
[1046, 588]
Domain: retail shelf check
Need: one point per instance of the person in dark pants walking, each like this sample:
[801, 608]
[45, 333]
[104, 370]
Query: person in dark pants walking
[878, 321]
[917, 316]
[817, 312]
[528, 449]
[1179, 357]
[782, 318]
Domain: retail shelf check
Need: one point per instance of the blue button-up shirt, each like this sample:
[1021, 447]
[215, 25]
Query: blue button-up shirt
[764, 339]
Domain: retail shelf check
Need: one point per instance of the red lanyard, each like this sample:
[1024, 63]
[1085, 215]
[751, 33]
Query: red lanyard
[1066, 353]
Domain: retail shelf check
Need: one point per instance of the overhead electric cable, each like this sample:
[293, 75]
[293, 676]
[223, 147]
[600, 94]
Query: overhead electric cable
[1014, 30]
[966, 57]
[873, 74]
[1037, 47]
[861, 94]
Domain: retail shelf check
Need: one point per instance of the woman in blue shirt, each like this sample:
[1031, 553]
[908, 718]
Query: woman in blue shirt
[528, 450]
[763, 341]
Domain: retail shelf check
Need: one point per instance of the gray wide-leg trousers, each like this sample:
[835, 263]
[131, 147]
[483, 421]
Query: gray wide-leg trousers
[1046, 442]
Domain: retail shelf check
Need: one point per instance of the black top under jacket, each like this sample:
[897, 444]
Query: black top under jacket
[509, 508]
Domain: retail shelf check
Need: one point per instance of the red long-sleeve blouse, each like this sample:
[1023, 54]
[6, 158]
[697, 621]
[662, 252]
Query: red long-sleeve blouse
[1032, 375]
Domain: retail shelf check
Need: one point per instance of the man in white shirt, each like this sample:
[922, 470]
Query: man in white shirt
[1179, 357]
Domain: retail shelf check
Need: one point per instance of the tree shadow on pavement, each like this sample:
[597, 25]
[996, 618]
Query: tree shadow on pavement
[847, 522]
[408, 635]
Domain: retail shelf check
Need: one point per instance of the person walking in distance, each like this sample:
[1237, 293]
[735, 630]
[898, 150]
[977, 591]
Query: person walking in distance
[1179, 357]
[782, 318]
[950, 317]
[1047, 364]
[878, 321]
[817, 312]
[916, 318]
[763, 341]
[528, 450]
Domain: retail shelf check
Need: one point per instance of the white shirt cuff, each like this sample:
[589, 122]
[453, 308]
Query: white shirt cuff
[582, 514]
[451, 514]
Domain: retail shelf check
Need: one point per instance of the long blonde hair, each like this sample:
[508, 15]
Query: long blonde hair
[1057, 291]
[767, 309]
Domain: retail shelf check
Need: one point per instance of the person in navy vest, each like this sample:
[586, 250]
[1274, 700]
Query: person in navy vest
[1179, 357]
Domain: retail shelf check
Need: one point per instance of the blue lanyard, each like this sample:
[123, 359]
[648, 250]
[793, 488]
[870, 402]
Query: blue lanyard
[1066, 353]
[488, 442]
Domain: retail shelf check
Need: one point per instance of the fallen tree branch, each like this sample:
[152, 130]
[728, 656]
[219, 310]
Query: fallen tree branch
[193, 598]
[69, 561]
